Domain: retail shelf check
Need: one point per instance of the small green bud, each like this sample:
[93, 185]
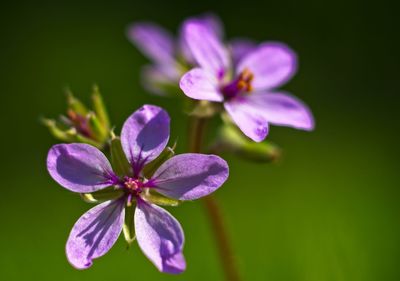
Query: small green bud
[81, 124]
[75, 104]
[100, 109]
[56, 131]
[99, 131]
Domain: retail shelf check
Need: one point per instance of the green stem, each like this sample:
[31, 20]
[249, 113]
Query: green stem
[214, 213]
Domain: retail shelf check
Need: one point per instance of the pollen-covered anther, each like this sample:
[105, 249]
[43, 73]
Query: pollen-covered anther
[133, 185]
[244, 80]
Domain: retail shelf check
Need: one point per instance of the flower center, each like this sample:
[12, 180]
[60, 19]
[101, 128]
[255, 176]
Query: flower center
[242, 84]
[133, 186]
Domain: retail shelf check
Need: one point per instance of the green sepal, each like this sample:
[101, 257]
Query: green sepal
[119, 161]
[99, 131]
[56, 131]
[151, 167]
[83, 139]
[159, 199]
[129, 228]
[231, 140]
[75, 104]
[106, 194]
[100, 108]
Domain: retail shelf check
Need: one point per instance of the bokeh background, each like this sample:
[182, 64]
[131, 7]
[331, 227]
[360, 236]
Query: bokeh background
[329, 211]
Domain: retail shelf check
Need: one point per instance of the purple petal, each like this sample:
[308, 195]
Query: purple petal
[213, 23]
[209, 20]
[153, 41]
[95, 233]
[160, 236]
[241, 47]
[283, 109]
[79, 167]
[190, 176]
[200, 85]
[144, 135]
[249, 121]
[272, 64]
[156, 78]
[206, 48]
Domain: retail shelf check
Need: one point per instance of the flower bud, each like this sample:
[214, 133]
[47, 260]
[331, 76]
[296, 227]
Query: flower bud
[81, 124]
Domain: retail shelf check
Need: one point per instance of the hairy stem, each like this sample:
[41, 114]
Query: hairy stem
[212, 208]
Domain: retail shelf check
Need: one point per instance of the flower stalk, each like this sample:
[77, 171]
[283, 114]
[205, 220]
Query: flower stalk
[197, 130]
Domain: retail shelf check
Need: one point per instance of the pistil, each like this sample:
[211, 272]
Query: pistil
[242, 84]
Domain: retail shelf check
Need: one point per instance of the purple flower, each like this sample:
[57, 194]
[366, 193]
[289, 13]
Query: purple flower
[83, 168]
[171, 57]
[245, 84]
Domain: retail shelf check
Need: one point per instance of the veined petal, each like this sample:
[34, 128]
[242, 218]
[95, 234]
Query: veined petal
[190, 176]
[154, 41]
[206, 48]
[272, 64]
[160, 236]
[79, 167]
[283, 109]
[200, 84]
[95, 233]
[144, 135]
[240, 48]
[249, 121]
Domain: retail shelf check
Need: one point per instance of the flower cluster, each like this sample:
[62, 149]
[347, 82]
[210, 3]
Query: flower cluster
[238, 79]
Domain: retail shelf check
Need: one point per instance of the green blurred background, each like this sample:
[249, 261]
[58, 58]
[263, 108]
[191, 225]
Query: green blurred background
[328, 211]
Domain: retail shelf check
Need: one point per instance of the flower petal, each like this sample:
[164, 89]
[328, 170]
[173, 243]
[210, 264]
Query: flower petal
[209, 20]
[240, 48]
[283, 109]
[200, 85]
[160, 236]
[272, 64]
[156, 79]
[206, 48]
[250, 122]
[95, 233]
[153, 41]
[190, 176]
[144, 135]
[79, 167]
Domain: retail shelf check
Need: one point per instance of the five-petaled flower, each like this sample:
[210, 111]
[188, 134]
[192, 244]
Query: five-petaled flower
[83, 168]
[246, 86]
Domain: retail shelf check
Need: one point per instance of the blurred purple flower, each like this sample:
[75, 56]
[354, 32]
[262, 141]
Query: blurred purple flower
[83, 168]
[244, 81]
[171, 57]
